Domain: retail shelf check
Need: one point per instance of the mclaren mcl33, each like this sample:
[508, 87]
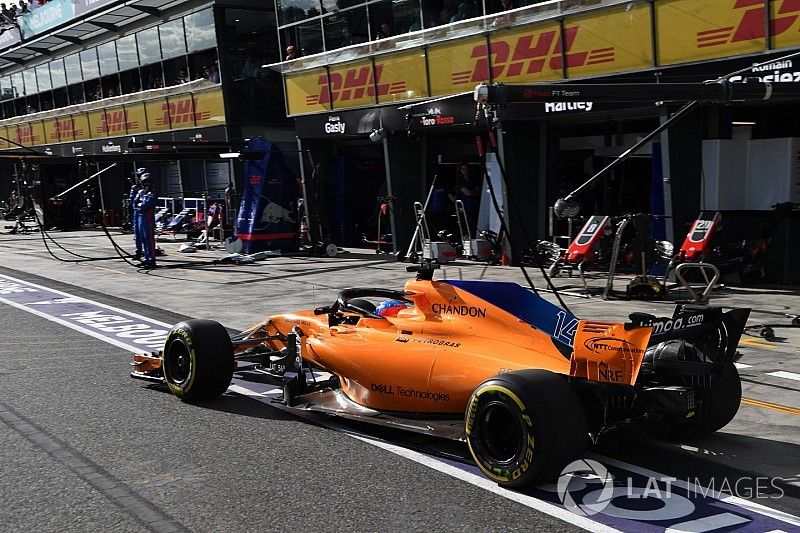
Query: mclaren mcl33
[525, 383]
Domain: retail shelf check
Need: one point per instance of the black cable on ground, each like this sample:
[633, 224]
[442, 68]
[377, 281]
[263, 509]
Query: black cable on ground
[45, 236]
[512, 204]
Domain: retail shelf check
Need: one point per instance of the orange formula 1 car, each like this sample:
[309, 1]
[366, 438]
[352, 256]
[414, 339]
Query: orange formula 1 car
[525, 383]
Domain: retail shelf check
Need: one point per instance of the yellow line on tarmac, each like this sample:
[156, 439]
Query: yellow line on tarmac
[111, 270]
[758, 343]
[774, 406]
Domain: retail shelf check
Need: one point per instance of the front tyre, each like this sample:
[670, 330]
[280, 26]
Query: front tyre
[525, 427]
[198, 360]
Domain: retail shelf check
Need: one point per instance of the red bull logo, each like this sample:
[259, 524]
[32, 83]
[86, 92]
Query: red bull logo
[182, 112]
[752, 23]
[353, 84]
[530, 54]
[116, 122]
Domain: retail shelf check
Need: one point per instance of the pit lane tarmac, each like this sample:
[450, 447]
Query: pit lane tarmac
[678, 490]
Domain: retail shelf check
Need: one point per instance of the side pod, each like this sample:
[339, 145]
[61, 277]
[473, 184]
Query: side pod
[608, 352]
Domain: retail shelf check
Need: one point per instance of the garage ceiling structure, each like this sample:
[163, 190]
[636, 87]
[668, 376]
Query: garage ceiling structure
[114, 17]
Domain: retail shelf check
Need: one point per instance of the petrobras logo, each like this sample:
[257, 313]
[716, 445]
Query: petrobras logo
[353, 84]
[181, 112]
[752, 23]
[116, 122]
[530, 54]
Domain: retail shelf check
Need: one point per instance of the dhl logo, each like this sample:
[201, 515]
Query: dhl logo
[529, 54]
[116, 122]
[25, 134]
[181, 113]
[353, 84]
[64, 129]
[751, 24]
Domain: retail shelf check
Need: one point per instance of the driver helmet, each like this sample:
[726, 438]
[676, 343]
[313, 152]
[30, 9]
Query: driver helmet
[141, 171]
[146, 178]
[390, 307]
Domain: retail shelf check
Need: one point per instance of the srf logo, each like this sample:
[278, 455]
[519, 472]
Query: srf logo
[353, 84]
[751, 23]
[181, 112]
[529, 54]
[116, 122]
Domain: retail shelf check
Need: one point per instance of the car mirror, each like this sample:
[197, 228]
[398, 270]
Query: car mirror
[322, 310]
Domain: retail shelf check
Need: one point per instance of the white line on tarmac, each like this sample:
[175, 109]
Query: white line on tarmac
[440, 466]
[708, 524]
[99, 304]
[692, 488]
[785, 375]
[431, 462]
[740, 366]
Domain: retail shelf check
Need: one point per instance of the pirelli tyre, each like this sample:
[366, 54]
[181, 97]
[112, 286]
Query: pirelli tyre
[198, 360]
[525, 427]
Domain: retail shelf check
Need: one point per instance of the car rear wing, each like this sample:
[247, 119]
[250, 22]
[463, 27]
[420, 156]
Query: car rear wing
[608, 352]
[716, 332]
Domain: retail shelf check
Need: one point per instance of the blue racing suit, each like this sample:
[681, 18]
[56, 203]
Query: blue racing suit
[146, 223]
[135, 219]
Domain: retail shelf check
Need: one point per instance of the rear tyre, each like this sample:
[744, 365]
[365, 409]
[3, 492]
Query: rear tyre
[525, 427]
[720, 403]
[198, 360]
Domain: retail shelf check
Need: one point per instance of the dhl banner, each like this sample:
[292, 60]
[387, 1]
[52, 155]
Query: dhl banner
[392, 78]
[605, 41]
[28, 134]
[784, 23]
[349, 85]
[209, 108]
[157, 120]
[517, 56]
[401, 77]
[175, 112]
[302, 92]
[80, 127]
[52, 130]
[179, 112]
[619, 41]
[688, 30]
[115, 122]
[453, 67]
[36, 132]
[97, 124]
[135, 118]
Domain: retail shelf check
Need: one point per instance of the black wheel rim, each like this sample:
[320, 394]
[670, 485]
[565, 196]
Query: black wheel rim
[178, 362]
[501, 432]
